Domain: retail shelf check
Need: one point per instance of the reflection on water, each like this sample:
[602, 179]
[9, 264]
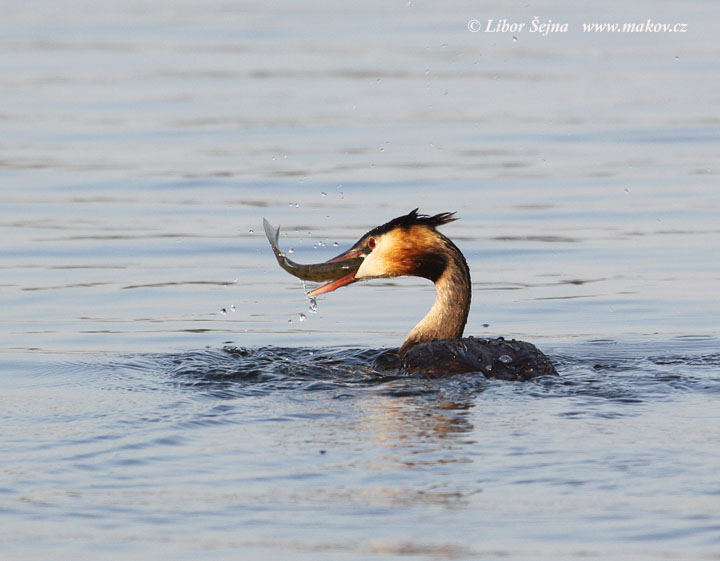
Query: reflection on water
[143, 145]
[271, 437]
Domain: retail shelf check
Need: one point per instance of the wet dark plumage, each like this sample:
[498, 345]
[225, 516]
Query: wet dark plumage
[494, 358]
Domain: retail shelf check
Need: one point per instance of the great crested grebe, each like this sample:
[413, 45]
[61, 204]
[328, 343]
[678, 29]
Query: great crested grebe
[410, 245]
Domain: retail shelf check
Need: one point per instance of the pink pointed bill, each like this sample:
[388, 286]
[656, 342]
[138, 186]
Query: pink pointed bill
[334, 285]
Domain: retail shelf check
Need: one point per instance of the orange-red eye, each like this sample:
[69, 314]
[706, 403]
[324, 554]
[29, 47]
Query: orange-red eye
[372, 243]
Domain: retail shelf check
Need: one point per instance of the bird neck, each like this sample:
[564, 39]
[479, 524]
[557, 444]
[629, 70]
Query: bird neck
[447, 318]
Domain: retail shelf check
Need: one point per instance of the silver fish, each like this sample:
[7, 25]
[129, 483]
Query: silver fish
[343, 265]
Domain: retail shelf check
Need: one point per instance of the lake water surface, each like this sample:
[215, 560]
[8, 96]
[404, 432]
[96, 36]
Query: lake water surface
[165, 390]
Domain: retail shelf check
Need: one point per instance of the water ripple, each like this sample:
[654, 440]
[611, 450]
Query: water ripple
[612, 375]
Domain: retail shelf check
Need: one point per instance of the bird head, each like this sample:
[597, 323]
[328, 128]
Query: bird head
[408, 245]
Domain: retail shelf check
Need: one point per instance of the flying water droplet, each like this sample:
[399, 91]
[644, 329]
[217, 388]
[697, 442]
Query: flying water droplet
[252, 232]
[313, 307]
[486, 325]
[223, 311]
[232, 308]
[291, 250]
[505, 359]
[302, 317]
[515, 39]
[335, 244]
[290, 321]
[324, 194]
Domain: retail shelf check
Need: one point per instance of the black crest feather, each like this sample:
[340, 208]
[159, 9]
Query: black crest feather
[414, 219]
